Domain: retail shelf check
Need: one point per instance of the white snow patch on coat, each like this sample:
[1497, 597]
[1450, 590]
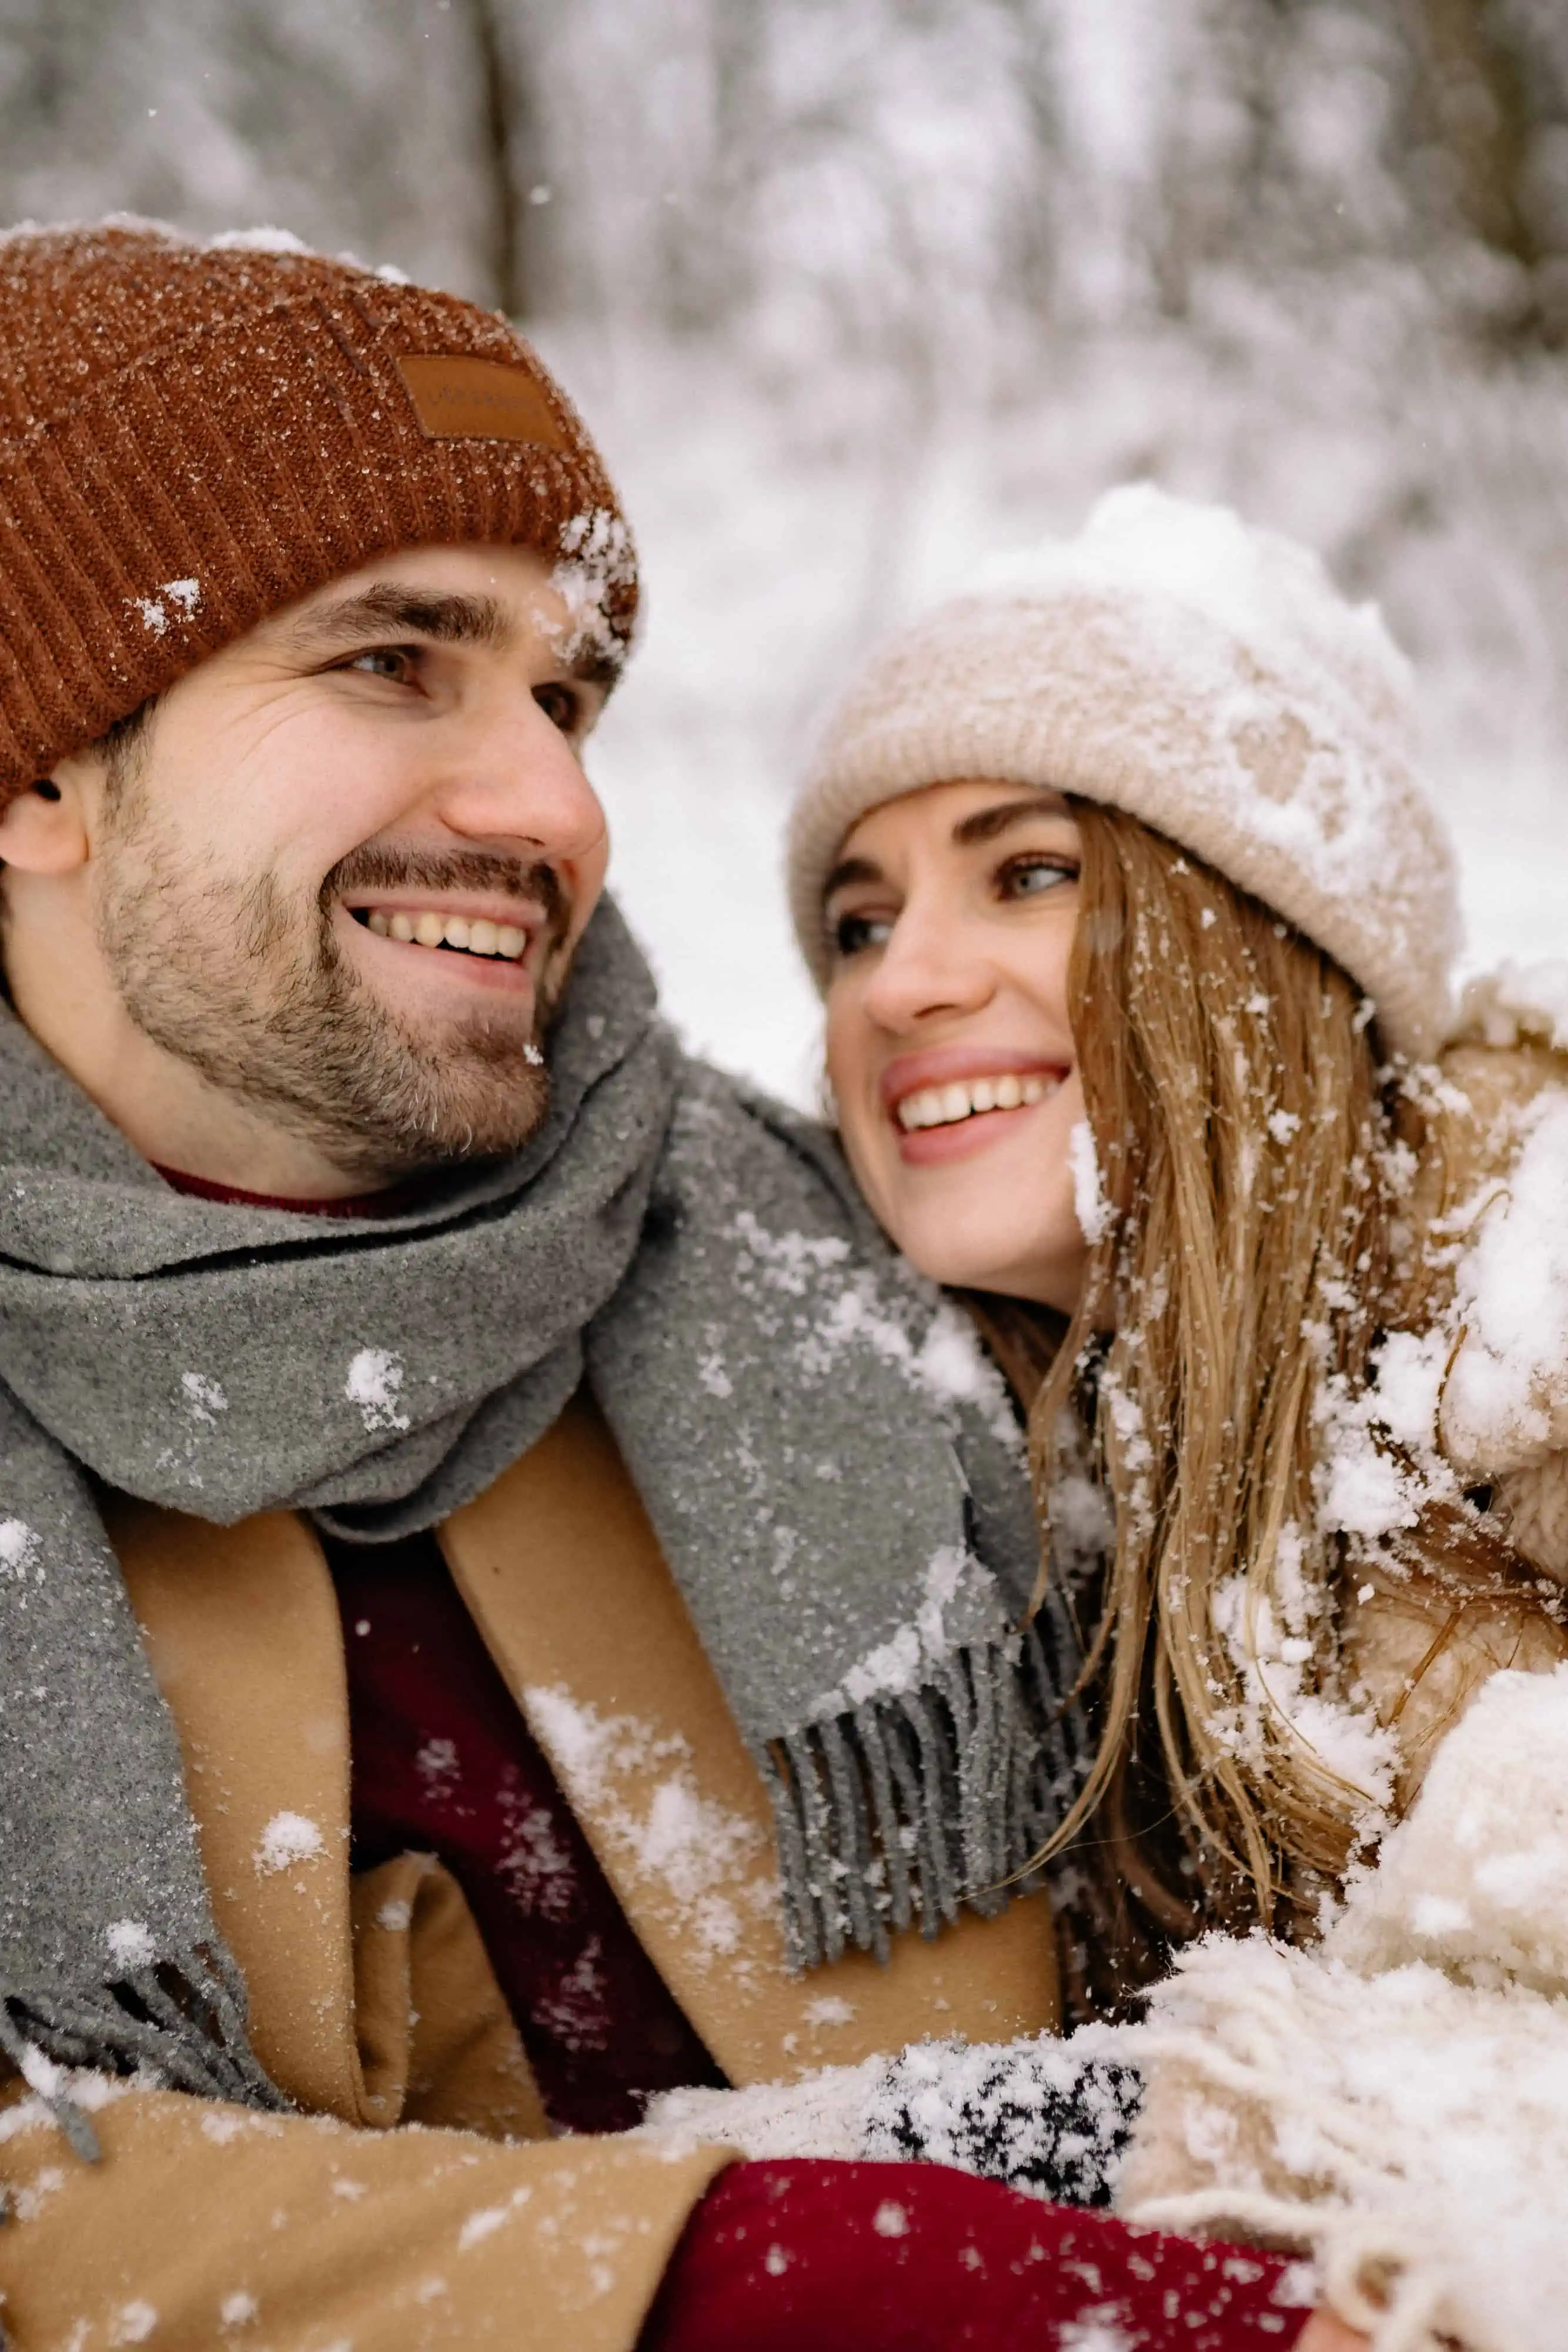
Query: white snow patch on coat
[823, 2115]
[706, 1864]
[287, 1838]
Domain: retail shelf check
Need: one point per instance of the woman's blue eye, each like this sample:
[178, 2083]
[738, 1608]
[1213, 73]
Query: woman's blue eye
[853, 933]
[1028, 877]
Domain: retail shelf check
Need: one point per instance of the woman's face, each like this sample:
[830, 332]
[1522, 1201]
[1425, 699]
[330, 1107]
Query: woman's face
[952, 914]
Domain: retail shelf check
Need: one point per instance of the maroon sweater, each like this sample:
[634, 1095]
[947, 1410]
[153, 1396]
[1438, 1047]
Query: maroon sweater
[444, 1763]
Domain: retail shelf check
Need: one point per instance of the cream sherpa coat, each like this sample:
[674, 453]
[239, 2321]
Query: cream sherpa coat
[1396, 2099]
[1494, 1195]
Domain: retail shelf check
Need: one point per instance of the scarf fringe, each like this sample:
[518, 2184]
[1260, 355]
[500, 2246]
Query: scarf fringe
[915, 1806]
[183, 2022]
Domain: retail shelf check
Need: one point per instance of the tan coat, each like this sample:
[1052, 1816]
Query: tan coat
[415, 2199]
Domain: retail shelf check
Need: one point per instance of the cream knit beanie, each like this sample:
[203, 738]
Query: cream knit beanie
[1205, 676]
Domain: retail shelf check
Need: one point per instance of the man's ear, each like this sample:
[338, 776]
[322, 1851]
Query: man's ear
[44, 830]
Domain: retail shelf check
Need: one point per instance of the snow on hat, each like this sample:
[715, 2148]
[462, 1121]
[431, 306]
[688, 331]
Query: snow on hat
[192, 436]
[1207, 678]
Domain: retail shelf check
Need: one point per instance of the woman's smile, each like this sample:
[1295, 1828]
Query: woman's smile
[963, 1099]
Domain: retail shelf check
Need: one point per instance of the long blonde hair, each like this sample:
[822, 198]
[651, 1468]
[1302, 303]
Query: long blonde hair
[1252, 1150]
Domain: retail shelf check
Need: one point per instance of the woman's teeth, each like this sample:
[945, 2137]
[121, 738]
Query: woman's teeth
[474, 936]
[946, 1106]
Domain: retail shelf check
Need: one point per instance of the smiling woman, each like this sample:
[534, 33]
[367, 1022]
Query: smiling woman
[1132, 922]
[952, 913]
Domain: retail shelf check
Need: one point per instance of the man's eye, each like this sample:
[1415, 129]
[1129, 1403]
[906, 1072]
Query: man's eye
[852, 934]
[383, 661]
[1029, 878]
[562, 706]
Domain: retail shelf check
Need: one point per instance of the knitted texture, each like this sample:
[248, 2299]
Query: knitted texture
[193, 435]
[1205, 676]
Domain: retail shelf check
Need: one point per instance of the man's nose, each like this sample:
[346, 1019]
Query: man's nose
[516, 777]
[931, 966]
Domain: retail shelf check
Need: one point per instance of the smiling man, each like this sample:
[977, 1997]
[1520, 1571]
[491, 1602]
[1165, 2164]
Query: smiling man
[282, 927]
[509, 1597]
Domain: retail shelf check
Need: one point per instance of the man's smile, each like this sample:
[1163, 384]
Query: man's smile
[486, 924]
[479, 937]
[498, 938]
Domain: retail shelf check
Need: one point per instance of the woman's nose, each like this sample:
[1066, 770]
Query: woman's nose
[931, 966]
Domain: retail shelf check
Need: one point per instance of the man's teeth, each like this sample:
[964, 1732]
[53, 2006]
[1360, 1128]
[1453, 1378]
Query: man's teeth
[474, 935]
[946, 1106]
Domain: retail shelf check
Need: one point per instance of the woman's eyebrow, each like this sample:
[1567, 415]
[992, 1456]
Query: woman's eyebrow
[850, 869]
[986, 824]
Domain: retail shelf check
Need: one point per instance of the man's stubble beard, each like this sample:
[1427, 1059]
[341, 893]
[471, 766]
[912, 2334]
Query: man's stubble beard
[254, 993]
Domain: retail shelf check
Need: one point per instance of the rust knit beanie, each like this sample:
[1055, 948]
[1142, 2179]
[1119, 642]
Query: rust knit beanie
[192, 436]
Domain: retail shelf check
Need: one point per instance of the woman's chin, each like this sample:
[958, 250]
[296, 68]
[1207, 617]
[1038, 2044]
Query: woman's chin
[982, 1203]
[1044, 1266]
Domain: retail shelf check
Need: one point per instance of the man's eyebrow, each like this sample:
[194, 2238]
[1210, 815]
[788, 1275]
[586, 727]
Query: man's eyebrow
[850, 869]
[391, 610]
[987, 824]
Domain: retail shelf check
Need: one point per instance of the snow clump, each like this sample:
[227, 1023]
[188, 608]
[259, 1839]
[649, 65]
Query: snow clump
[597, 560]
[712, 1867]
[183, 595]
[1094, 1214]
[1475, 1880]
[1515, 1002]
[903, 1663]
[287, 1838]
[19, 1550]
[1506, 1404]
[205, 1398]
[1249, 623]
[1397, 2098]
[131, 1944]
[376, 1379]
[1268, 1639]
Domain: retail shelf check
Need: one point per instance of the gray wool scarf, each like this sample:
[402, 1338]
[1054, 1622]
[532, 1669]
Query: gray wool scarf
[829, 1461]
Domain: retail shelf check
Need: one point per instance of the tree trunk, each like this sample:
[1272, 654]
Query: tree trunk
[501, 137]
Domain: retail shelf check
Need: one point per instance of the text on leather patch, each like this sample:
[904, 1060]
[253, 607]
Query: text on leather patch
[486, 400]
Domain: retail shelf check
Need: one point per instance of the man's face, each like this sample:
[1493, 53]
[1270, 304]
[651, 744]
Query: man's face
[342, 873]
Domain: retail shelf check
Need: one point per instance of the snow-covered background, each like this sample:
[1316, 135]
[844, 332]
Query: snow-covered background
[854, 291]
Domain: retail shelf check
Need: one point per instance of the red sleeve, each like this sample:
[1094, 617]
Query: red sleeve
[819, 2257]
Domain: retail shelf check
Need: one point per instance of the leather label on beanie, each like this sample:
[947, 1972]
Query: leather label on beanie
[479, 400]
